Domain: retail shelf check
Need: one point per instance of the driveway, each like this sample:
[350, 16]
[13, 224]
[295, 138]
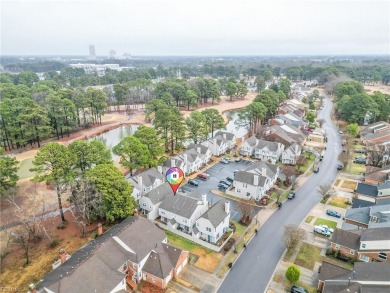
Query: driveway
[254, 268]
[218, 172]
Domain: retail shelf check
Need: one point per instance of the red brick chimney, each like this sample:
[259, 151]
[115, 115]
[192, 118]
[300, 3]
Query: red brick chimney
[32, 288]
[62, 255]
[99, 229]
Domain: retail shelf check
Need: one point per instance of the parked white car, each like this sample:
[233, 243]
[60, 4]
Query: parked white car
[321, 230]
[331, 230]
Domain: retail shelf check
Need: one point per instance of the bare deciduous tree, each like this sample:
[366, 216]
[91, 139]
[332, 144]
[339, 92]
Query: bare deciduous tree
[246, 208]
[292, 236]
[378, 155]
[344, 158]
[301, 161]
[289, 171]
[324, 189]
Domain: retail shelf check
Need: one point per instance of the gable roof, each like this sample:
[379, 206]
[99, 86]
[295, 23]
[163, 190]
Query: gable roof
[293, 149]
[181, 205]
[199, 148]
[249, 178]
[360, 215]
[162, 260]
[375, 234]
[191, 154]
[349, 239]
[271, 169]
[329, 271]
[378, 174]
[227, 135]
[174, 162]
[148, 177]
[367, 189]
[252, 141]
[270, 145]
[158, 194]
[216, 214]
[96, 258]
[384, 186]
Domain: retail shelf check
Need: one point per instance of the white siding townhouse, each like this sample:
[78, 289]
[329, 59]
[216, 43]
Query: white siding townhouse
[189, 161]
[214, 222]
[290, 154]
[151, 201]
[217, 145]
[203, 150]
[228, 136]
[145, 182]
[181, 211]
[248, 146]
[255, 181]
[268, 151]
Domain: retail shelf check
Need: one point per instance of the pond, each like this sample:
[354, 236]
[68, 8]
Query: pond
[113, 137]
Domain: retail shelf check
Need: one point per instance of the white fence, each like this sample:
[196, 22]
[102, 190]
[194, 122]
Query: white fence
[195, 239]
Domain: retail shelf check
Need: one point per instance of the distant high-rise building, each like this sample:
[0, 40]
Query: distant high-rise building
[112, 54]
[92, 53]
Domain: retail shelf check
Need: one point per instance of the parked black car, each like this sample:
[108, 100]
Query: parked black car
[227, 183]
[193, 182]
[230, 179]
[222, 186]
[339, 167]
[296, 289]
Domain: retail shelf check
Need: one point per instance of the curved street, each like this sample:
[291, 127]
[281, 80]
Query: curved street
[255, 266]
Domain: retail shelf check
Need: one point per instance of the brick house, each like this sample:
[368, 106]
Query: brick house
[376, 175]
[366, 245]
[368, 217]
[365, 277]
[118, 260]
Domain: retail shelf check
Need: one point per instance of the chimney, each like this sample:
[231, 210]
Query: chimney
[62, 255]
[99, 229]
[224, 135]
[32, 288]
[173, 161]
[198, 149]
[204, 199]
[185, 158]
[227, 207]
[255, 179]
[264, 172]
[140, 184]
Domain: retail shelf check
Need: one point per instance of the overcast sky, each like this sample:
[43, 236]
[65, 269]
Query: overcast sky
[195, 27]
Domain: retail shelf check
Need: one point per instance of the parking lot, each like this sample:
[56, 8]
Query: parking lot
[216, 173]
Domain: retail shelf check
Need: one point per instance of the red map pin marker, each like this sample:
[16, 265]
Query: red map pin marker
[174, 177]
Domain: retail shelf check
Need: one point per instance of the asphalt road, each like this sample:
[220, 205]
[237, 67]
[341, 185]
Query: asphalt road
[255, 266]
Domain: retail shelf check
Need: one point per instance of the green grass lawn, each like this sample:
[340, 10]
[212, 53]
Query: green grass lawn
[181, 242]
[356, 168]
[24, 167]
[240, 229]
[340, 202]
[309, 160]
[309, 219]
[282, 197]
[330, 224]
[308, 255]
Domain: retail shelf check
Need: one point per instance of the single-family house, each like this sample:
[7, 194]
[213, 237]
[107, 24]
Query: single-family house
[375, 175]
[268, 151]
[248, 146]
[373, 193]
[130, 252]
[376, 133]
[372, 244]
[255, 181]
[145, 182]
[286, 134]
[228, 136]
[293, 119]
[204, 151]
[181, 211]
[212, 224]
[368, 217]
[365, 277]
[291, 153]
[149, 203]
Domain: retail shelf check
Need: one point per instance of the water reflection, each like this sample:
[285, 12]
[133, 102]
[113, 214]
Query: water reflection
[113, 137]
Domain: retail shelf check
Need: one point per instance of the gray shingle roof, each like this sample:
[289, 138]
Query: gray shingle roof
[252, 141]
[379, 174]
[174, 162]
[383, 186]
[229, 136]
[216, 214]
[349, 239]
[159, 193]
[375, 234]
[360, 215]
[148, 177]
[249, 178]
[270, 145]
[367, 189]
[96, 258]
[199, 148]
[181, 205]
[162, 260]
[271, 169]
[192, 155]
[329, 271]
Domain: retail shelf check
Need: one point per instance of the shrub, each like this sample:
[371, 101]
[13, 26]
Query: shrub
[329, 251]
[292, 274]
[55, 242]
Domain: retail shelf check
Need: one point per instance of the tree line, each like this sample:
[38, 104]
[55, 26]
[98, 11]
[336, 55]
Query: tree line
[355, 105]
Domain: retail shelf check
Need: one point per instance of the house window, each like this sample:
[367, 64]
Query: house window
[382, 255]
[364, 258]
[245, 185]
[248, 194]
[363, 245]
[337, 246]
[239, 190]
[162, 212]
[352, 252]
[208, 229]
